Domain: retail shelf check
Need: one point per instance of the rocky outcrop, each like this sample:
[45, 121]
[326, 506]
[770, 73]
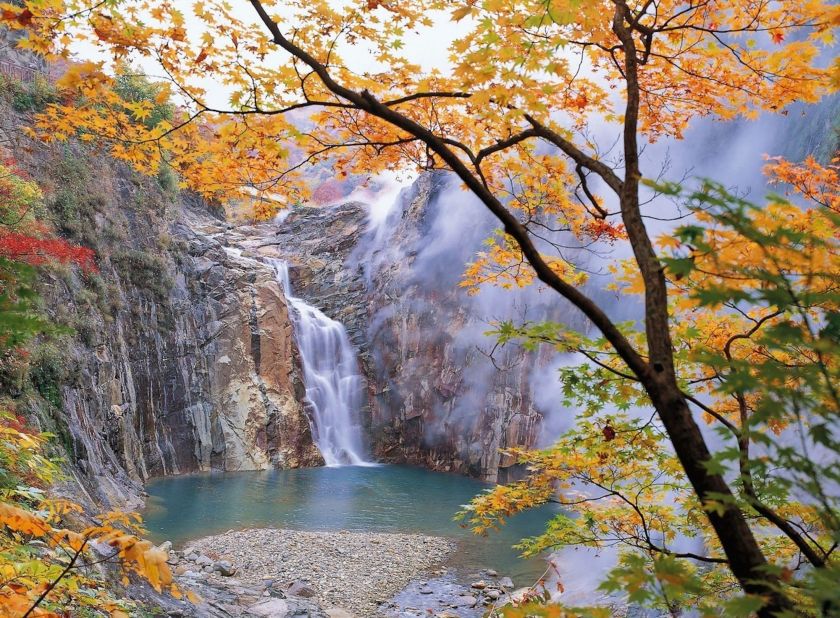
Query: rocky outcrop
[202, 377]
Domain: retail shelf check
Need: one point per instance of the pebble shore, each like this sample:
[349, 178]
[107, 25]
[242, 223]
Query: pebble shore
[355, 571]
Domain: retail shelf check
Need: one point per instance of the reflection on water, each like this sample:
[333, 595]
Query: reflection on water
[377, 499]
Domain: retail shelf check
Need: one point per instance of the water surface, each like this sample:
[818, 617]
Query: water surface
[376, 499]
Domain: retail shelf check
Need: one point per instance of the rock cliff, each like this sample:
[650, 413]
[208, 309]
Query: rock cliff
[436, 398]
[181, 355]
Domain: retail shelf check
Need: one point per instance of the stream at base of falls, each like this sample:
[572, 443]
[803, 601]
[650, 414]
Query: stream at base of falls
[386, 498]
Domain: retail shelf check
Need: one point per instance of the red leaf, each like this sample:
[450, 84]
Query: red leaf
[24, 18]
[38, 251]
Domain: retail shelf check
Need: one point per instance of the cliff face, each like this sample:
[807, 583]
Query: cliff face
[199, 374]
[181, 356]
[443, 398]
[436, 398]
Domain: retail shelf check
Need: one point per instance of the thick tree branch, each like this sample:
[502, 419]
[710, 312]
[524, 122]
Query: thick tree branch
[367, 102]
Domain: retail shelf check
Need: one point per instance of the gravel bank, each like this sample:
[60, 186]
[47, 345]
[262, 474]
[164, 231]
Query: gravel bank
[356, 571]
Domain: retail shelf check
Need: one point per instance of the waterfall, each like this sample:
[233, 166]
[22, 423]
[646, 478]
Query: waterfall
[334, 386]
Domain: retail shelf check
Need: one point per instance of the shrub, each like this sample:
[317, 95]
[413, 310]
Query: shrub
[145, 271]
[32, 96]
[48, 373]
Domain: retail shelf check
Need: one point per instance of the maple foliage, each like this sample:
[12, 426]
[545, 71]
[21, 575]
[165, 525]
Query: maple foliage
[54, 577]
[38, 251]
[756, 313]
[511, 116]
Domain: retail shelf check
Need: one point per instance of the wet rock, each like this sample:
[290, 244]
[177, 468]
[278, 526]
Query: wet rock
[406, 326]
[469, 601]
[506, 583]
[479, 585]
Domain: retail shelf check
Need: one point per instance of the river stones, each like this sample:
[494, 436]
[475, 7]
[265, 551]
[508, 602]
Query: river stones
[351, 570]
[506, 583]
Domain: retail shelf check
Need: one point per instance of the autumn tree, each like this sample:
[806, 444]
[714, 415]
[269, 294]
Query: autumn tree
[510, 117]
[756, 350]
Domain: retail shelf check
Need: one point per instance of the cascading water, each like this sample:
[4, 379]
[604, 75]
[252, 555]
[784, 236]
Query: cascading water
[334, 386]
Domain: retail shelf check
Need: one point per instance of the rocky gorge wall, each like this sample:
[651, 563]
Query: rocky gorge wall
[436, 398]
[179, 354]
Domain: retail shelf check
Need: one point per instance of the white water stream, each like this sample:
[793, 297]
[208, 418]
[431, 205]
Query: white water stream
[331, 375]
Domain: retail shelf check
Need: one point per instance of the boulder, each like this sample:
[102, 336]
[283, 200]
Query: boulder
[224, 568]
[467, 600]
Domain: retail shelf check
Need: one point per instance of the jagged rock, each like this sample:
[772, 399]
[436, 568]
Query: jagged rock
[408, 323]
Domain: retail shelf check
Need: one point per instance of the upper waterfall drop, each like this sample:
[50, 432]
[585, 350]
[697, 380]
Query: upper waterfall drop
[331, 376]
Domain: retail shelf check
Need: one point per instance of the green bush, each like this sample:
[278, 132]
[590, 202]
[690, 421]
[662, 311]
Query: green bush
[167, 178]
[48, 373]
[134, 87]
[32, 96]
[145, 271]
